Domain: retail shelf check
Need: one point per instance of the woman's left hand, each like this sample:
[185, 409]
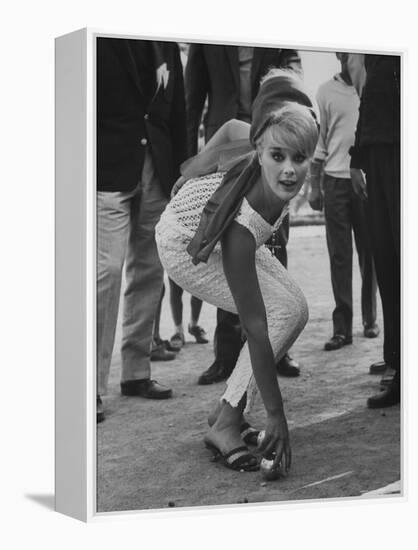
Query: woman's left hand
[276, 442]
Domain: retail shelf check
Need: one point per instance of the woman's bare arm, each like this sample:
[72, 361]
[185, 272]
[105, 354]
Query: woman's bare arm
[238, 254]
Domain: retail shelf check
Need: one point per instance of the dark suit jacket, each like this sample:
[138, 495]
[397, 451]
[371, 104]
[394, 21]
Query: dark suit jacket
[213, 71]
[380, 107]
[128, 121]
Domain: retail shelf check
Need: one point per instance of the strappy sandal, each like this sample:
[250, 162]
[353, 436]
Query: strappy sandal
[239, 459]
[249, 434]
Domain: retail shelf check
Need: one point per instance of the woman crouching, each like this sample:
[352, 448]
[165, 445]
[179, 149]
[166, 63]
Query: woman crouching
[210, 241]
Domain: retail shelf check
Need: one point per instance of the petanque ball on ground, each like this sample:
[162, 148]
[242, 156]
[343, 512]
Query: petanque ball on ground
[268, 471]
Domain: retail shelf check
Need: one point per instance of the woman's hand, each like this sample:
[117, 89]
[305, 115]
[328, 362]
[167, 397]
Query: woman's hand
[177, 186]
[276, 441]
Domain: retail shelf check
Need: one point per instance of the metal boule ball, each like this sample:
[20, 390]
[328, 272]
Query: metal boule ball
[269, 471]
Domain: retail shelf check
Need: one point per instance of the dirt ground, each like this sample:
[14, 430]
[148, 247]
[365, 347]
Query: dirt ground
[151, 453]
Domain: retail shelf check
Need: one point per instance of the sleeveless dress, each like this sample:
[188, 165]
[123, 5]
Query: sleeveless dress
[285, 304]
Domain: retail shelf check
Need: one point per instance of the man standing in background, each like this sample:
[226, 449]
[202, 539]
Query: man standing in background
[141, 141]
[344, 207]
[377, 152]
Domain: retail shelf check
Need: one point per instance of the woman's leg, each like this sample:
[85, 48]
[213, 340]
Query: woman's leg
[156, 337]
[176, 303]
[195, 309]
[194, 329]
[206, 282]
[225, 431]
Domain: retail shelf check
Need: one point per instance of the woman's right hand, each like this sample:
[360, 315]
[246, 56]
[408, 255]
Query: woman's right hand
[276, 441]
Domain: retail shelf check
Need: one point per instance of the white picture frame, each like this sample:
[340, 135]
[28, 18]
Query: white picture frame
[76, 445]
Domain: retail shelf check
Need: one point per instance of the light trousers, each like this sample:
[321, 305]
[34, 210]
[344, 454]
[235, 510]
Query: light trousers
[126, 242]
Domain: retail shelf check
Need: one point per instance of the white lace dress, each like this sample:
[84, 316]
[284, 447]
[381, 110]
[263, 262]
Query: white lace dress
[286, 307]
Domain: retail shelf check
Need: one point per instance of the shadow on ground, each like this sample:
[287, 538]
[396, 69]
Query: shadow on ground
[47, 501]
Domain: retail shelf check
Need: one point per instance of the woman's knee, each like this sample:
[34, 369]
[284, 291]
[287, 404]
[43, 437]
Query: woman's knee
[301, 309]
[175, 290]
[304, 315]
[297, 311]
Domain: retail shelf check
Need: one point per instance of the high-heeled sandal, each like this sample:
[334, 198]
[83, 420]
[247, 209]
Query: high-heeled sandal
[249, 434]
[239, 459]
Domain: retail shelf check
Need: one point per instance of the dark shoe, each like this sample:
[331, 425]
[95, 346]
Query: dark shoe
[377, 368]
[199, 333]
[145, 388]
[177, 341]
[288, 367]
[160, 353]
[337, 342]
[237, 459]
[217, 372]
[372, 331]
[387, 377]
[386, 398]
[166, 344]
[100, 416]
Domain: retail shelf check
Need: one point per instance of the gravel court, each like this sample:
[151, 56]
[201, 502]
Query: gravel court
[151, 454]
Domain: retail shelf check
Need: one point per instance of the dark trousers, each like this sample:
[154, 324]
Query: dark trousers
[346, 213]
[229, 338]
[383, 189]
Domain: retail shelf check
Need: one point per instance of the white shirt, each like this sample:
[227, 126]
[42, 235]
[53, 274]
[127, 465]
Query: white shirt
[338, 105]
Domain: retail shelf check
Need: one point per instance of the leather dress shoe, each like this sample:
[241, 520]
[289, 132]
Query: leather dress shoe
[199, 333]
[371, 331]
[100, 416]
[160, 353]
[217, 372]
[166, 344]
[337, 341]
[288, 367]
[377, 368]
[387, 377]
[145, 388]
[386, 398]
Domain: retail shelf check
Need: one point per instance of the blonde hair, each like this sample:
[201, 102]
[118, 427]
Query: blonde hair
[294, 126]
